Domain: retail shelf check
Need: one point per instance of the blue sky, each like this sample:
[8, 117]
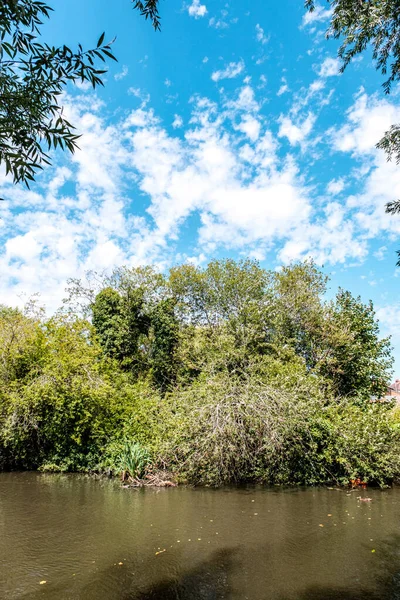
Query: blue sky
[229, 133]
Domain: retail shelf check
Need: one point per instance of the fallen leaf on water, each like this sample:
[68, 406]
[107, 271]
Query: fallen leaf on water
[320, 525]
[42, 582]
[120, 563]
[372, 550]
[329, 515]
[160, 551]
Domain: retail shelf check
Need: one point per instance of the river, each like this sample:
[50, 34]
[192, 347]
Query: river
[69, 537]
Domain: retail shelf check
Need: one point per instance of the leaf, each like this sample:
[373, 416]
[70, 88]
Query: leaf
[101, 39]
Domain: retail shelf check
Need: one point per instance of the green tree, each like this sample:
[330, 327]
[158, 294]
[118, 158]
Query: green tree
[108, 322]
[165, 330]
[360, 363]
[22, 346]
[298, 309]
[120, 321]
[224, 314]
[33, 76]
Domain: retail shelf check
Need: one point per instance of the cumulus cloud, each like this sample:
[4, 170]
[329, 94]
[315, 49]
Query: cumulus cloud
[335, 186]
[231, 71]
[126, 195]
[319, 14]
[296, 132]
[367, 119]
[197, 10]
[380, 253]
[329, 68]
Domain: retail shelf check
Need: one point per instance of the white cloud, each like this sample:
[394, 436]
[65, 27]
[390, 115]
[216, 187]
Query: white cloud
[231, 70]
[177, 122]
[263, 82]
[250, 126]
[330, 67]
[367, 120]
[296, 132]
[218, 23]
[380, 253]
[317, 15]
[260, 35]
[335, 186]
[121, 74]
[197, 10]
[283, 88]
[205, 59]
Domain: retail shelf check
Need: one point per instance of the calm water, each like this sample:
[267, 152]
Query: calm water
[92, 540]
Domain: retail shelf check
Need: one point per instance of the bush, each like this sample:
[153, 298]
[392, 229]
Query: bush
[229, 430]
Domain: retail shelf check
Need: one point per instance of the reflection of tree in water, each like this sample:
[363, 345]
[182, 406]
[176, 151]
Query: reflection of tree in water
[208, 581]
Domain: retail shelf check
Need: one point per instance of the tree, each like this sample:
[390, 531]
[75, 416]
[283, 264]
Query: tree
[33, 76]
[375, 23]
[119, 322]
[299, 312]
[165, 330]
[357, 361]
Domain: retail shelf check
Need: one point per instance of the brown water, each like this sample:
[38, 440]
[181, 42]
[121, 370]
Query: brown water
[92, 540]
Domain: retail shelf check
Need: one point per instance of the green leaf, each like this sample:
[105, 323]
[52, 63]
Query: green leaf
[101, 39]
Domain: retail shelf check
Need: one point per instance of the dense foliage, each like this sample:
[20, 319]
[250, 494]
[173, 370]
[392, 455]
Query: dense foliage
[223, 374]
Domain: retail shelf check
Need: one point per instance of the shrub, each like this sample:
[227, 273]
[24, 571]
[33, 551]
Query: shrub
[230, 430]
